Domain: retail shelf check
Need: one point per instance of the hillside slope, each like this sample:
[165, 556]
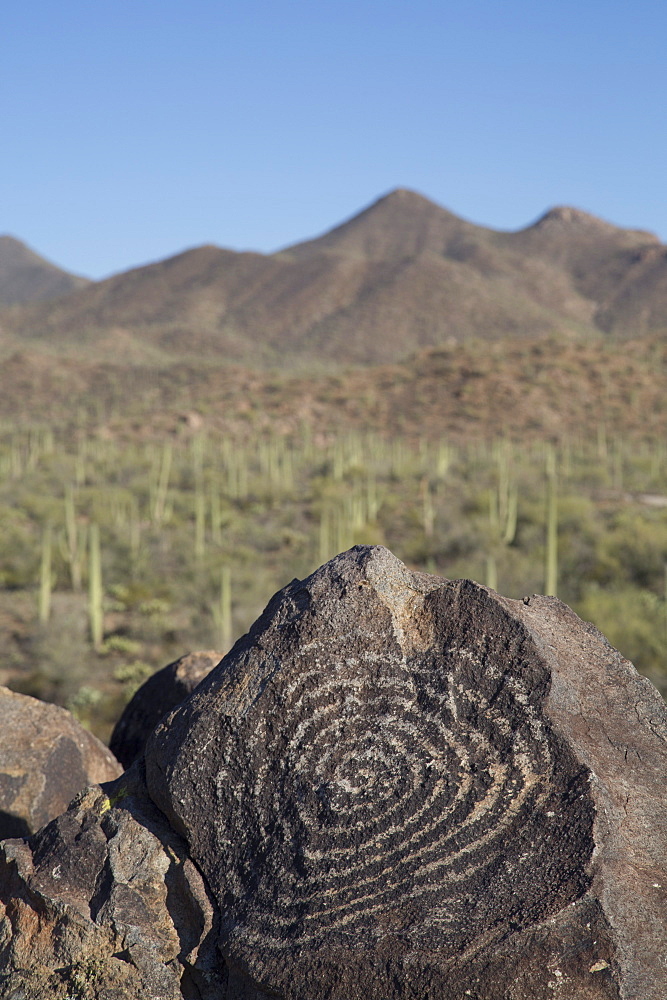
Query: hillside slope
[546, 388]
[27, 277]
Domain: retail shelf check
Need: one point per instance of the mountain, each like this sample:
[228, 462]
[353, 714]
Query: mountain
[27, 277]
[403, 275]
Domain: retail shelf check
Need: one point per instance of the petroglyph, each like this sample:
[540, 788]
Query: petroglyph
[372, 788]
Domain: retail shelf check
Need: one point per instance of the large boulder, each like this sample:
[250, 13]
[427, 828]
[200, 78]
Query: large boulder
[158, 695]
[400, 786]
[46, 757]
[395, 786]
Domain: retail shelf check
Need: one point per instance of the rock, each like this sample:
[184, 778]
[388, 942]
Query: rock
[395, 786]
[157, 696]
[398, 786]
[46, 757]
[104, 904]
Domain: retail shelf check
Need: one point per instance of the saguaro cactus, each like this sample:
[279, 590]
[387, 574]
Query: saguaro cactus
[95, 610]
[45, 581]
[551, 562]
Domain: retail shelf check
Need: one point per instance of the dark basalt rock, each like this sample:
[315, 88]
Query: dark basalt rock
[402, 786]
[46, 757]
[158, 695]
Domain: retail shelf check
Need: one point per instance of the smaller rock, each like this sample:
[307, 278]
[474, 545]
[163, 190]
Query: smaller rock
[158, 695]
[46, 758]
[104, 904]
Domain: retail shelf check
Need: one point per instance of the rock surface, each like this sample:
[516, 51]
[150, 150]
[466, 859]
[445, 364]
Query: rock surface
[157, 696]
[395, 786]
[46, 758]
[104, 903]
[402, 786]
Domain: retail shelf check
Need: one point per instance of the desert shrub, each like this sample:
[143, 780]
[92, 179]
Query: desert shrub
[633, 549]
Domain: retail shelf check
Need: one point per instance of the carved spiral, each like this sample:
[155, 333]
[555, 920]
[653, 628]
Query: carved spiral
[388, 795]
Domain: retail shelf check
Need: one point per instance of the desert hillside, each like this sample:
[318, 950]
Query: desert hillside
[401, 276]
[527, 390]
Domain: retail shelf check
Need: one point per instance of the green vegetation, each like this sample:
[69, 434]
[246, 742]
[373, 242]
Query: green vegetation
[121, 554]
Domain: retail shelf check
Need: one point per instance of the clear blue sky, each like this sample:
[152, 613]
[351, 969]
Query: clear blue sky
[131, 130]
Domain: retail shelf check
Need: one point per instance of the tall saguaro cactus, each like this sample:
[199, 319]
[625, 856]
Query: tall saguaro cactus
[45, 581]
[95, 611]
[551, 561]
[222, 611]
[71, 543]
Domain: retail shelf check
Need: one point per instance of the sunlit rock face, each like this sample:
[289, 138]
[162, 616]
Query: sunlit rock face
[46, 757]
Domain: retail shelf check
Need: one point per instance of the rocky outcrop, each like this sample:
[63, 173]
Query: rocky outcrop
[395, 786]
[46, 757]
[104, 903]
[402, 786]
[157, 696]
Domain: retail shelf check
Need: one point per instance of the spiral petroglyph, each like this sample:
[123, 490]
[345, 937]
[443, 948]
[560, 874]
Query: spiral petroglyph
[382, 785]
[386, 781]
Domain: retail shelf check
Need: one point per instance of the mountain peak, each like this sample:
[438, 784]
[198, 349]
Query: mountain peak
[398, 225]
[567, 215]
[404, 201]
[564, 218]
[405, 196]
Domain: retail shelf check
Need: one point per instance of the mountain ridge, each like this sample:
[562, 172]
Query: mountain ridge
[403, 274]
